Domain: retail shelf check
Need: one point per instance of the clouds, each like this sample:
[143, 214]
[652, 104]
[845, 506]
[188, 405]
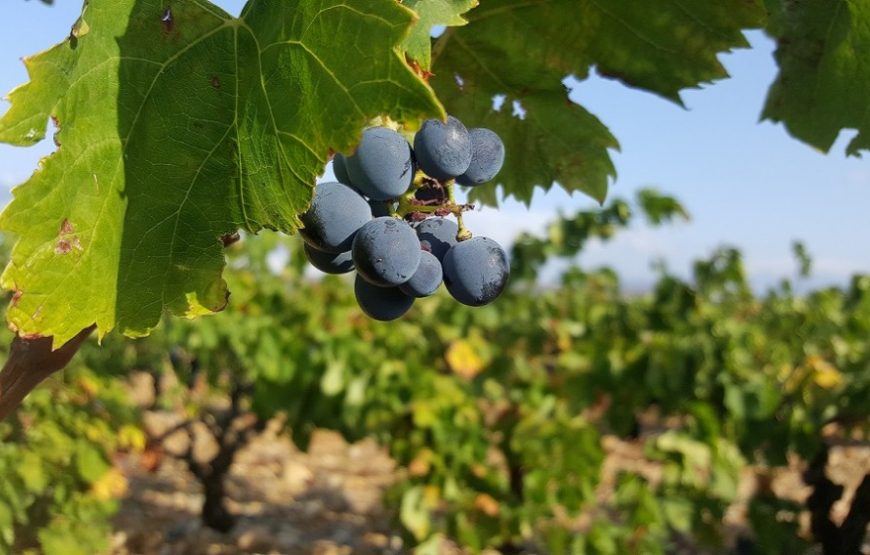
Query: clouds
[505, 225]
[632, 252]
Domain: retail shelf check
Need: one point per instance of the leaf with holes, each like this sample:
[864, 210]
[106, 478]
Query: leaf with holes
[180, 124]
[663, 47]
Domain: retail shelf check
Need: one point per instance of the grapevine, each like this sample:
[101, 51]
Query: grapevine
[185, 135]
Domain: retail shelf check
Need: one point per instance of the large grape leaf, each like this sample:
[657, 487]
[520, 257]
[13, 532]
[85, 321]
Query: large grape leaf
[524, 49]
[432, 13]
[180, 124]
[824, 78]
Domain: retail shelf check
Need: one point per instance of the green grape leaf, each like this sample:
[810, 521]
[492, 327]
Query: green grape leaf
[665, 47]
[90, 463]
[431, 13]
[179, 124]
[32, 472]
[523, 51]
[823, 80]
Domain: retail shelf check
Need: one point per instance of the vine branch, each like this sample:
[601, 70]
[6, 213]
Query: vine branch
[836, 540]
[30, 362]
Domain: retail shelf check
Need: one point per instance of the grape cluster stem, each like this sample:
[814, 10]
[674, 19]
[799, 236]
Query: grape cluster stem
[409, 204]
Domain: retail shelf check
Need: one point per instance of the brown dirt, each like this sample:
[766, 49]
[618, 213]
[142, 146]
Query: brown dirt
[326, 501]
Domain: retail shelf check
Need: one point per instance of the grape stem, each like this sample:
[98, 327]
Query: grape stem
[463, 234]
[408, 204]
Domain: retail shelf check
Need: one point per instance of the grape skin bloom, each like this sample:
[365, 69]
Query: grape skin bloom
[381, 303]
[336, 214]
[486, 160]
[328, 262]
[437, 235]
[386, 252]
[443, 151]
[339, 168]
[382, 167]
[426, 279]
[476, 271]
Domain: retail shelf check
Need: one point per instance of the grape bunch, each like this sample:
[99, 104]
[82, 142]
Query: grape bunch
[387, 218]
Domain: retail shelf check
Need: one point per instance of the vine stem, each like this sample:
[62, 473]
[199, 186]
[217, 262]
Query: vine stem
[30, 362]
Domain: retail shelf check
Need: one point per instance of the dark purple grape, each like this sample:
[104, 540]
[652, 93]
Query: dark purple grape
[336, 214]
[386, 252]
[443, 150]
[437, 235]
[328, 262]
[382, 167]
[381, 208]
[487, 157]
[381, 303]
[476, 271]
[426, 279]
[339, 168]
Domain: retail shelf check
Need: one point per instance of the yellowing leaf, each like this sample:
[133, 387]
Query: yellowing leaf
[487, 505]
[421, 464]
[825, 374]
[432, 496]
[111, 485]
[131, 437]
[89, 385]
[463, 359]
[479, 470]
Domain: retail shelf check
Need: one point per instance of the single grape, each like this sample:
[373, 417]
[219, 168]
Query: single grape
[336, 214]
[426, 279]
[339, 168]
[382, 167]
[476, 271]
[328, 262]
[437, 235]
[487, 157]
[443, 150]
[386, 252]
[381, 303]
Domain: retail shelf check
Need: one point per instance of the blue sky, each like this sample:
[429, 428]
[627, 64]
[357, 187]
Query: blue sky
[746, 183]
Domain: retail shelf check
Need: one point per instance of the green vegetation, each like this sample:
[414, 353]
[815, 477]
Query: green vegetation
[500, 416]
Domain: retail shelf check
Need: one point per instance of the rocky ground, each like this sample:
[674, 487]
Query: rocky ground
[329, 500]
[326, 501]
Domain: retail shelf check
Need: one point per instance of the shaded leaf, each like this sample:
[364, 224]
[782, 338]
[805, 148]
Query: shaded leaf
[90, 463]
[823, 80]
[524, 50]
